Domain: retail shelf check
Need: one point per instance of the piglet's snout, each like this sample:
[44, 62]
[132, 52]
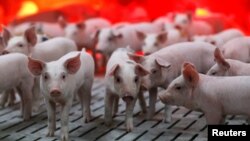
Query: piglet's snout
[127, 98]
[55, 93]
[165, 98]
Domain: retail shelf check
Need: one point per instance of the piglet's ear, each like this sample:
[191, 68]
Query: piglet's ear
[140, 70]
[136, 58]
[81, 25]
[140, 35]
[114, 70]
[162, 37]
[6, 35]
[96, 34]
[2, 45]
[35, 66]
[30, 35]
[62, 22]
[72, 65]
[190, 75]
[173, 15]
[162, 63]
[185, 64]
[189, 15]
[220, 59]
[178, 27]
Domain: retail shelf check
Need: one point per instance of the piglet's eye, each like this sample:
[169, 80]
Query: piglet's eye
[136, 79]
[154, 71]
[118, 79]
[44, 39]
[20, 45]
[156, 44]
[213, 73]
[45, 76]
[63, 76]
[110, 39]
[213, 42]
[185, 21]
[178, 87]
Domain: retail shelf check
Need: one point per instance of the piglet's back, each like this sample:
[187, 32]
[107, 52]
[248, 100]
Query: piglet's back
[53, 49]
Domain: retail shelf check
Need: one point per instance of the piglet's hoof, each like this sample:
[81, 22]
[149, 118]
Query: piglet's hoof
[129, 126]
[87, 119]
[50, 134]
[64, 137]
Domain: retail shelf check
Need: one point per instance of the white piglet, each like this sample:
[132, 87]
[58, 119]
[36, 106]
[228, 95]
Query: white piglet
[60, 80]
[49, 50]
[228, 67]
[50, 29]
[215, 96]
[123, 80]
[165, 65]
[223, 37]
[110, 39]
[190, 26]
[156, 41]
[8, 98]
[237, 49]
[27, 44]
[83, 33]
[15, 74]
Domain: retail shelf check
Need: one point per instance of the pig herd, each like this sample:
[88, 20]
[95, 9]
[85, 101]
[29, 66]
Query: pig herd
[44, 62]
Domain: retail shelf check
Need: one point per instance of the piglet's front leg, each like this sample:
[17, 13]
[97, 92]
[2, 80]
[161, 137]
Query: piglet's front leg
[109, 100]
[129, 114]
[168, 113]
[65, 120]
[51, 110]
[142, 102]
[152, 101]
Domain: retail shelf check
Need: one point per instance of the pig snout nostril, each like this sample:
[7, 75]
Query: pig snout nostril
[127, 98]
[55, 93]
[5, 52]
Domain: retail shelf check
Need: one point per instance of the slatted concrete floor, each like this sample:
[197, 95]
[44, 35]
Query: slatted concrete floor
[186, 124]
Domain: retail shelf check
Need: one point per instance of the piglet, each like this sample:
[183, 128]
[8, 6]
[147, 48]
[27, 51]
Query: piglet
[15, 74]
[156, 41]
[82, 33]
[60, 80]
[216, 97]
[164, 21]
[109, 39]
[50, 29]
[27, 44]
[228, 67]
[164, 66]
[123, 80]
[8, 98]
[190, 26]
[223, 37]
[237, 49]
